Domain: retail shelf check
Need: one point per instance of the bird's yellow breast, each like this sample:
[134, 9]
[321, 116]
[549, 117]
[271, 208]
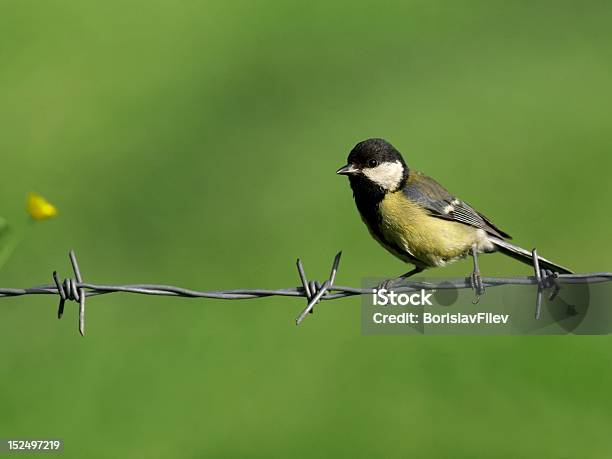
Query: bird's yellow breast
[430, 240]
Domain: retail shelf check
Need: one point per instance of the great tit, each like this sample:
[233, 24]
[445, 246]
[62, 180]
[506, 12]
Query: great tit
[417, 219]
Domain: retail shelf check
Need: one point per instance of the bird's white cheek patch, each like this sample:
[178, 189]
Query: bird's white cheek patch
[387, 175]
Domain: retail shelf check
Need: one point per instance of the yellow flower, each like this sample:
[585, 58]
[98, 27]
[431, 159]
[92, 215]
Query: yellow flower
[39, 208]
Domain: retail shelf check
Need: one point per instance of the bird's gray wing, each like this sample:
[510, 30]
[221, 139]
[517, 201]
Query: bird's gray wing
[436, 199]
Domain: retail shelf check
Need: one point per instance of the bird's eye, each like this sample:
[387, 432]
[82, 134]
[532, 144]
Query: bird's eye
[372, 163]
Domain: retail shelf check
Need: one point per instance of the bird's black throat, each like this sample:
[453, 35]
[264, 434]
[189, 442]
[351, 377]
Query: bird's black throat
[368, 197]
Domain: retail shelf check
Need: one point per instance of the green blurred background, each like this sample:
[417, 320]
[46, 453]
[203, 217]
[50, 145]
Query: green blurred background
[195, 143]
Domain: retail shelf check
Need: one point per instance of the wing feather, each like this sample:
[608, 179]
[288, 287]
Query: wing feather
[440, 203]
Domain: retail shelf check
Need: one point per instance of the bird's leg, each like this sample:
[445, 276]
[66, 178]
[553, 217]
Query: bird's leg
[475, 278]
[386, 284]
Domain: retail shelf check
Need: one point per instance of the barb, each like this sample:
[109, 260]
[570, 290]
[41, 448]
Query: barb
[77, 290]
[80, 293]
[538, 276]
[313, 298]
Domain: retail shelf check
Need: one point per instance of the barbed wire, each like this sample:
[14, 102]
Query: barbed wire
[75, 289]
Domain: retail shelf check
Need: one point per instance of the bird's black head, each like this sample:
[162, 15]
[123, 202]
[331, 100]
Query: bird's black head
[375, 166]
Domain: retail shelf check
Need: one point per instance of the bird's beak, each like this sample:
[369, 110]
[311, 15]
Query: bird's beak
[349, 169]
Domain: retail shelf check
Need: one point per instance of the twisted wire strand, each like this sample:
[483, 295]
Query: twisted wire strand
[75, 289]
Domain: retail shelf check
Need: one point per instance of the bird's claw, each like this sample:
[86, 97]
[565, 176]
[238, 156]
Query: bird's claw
[396, 281]
[386, 284]
[477, 286]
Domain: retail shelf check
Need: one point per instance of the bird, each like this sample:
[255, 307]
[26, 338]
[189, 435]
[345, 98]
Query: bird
[418, 220]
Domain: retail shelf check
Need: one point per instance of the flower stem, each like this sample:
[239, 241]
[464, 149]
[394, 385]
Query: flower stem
[12, 238]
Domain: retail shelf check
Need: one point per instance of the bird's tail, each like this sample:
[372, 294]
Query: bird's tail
[525, 256]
